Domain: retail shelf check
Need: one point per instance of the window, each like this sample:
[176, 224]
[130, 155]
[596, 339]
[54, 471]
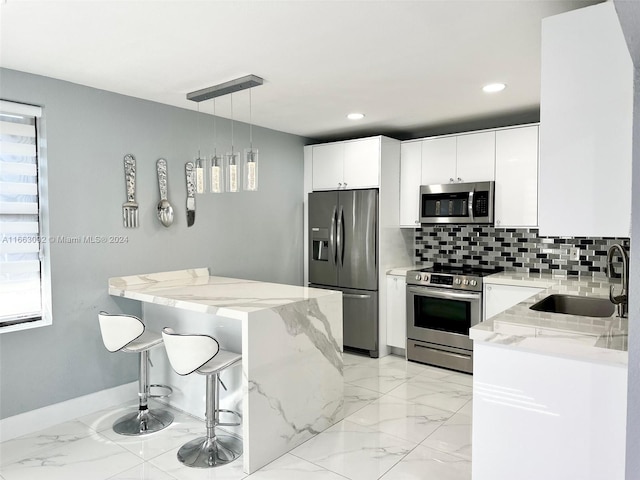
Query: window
[24, 290]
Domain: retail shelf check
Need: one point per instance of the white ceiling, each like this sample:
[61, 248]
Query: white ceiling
[410, 66]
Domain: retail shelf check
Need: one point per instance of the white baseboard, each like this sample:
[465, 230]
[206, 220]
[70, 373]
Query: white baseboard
[45, 417]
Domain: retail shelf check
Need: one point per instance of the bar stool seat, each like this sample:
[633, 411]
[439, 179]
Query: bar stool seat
[189, 353]
[127, 333]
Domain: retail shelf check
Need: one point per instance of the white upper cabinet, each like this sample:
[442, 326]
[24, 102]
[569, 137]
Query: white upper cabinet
[410, 181]
[516, 194]
[460, 158]
[346, 165]
[475, 157]
[586, 114]
[361, 163]
[438, 160]
[509, 156]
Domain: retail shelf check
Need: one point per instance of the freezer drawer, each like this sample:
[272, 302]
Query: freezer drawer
[359, 318]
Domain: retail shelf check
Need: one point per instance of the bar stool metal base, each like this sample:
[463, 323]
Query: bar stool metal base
[143, 422]
[207, 452]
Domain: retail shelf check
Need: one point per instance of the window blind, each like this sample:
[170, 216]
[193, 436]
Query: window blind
[20, 239]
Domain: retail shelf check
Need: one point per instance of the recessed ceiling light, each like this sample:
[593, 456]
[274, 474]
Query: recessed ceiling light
[355, 116]
[494, 87]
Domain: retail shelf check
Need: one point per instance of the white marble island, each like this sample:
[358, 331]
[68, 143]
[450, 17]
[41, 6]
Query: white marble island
[549, 389]
[290, 386]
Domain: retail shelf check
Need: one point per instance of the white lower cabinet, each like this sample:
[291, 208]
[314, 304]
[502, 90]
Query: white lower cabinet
[540, 416]
[396, 311]
[498, 298]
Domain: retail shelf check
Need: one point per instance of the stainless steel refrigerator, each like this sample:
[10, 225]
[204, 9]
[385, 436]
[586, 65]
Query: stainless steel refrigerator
[343, 255]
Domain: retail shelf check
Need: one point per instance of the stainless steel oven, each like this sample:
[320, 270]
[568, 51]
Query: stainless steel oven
[441, 308]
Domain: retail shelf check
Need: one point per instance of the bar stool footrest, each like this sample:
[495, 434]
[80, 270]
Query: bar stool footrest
[230, 424]
[169, 391]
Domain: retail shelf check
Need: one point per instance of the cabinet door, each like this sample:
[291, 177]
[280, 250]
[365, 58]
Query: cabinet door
[438, 160]
[410, 178]
[476, 153]
[516, 192]
[396, 311]
[362, 163]
[498, 298]
[327, 165]
[586, 125]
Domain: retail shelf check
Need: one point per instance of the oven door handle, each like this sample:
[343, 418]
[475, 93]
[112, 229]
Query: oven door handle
[430, 292]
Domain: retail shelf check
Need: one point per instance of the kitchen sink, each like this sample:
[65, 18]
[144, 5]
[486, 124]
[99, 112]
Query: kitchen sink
[574, 305]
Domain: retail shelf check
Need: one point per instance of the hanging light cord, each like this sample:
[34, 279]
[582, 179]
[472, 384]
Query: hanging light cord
[198, 131]
[232, 124]
[250, 126]
[215, 135]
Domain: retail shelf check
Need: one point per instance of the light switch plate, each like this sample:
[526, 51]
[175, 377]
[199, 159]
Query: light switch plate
[574, 254]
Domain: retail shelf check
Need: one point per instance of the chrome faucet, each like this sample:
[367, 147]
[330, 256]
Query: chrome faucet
[621, 299]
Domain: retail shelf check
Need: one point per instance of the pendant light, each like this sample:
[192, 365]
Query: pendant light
[233, 165]
[229, 166]
[250, 182]
[201, 164]
[217, 161]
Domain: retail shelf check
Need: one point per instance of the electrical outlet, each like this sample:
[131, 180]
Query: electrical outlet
[574, 254]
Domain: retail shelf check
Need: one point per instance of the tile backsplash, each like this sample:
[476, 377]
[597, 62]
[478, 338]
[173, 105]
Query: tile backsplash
[515, 249]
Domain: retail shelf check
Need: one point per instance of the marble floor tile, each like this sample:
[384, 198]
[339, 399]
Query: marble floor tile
[403, 420]
[144, 471]
[453, 436]
[354, 451]
[168, 463]
[357, 397]
[183, 429]
[426, 463]
[434, 392]
[407, 420]
[31, 445]
[93, 457]
[375, 377]
[290, 467]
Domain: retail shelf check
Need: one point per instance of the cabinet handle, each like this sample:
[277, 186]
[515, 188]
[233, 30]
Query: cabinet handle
[497, 222]
[345, 184]
[488, 289]
[417, 222]
[339, 184]
[459, 180]
[451, 180]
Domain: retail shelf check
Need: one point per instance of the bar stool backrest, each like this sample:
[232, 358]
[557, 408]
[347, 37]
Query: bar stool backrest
[188, 352]
[119, 330]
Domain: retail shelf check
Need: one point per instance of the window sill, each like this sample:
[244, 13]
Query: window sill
[43, 322]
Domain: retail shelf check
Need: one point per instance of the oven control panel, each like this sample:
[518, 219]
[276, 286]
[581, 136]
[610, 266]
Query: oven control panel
[445, 280]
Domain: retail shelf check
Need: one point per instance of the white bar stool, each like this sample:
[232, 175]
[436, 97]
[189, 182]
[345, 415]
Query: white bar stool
[190, 353]
[126, 333]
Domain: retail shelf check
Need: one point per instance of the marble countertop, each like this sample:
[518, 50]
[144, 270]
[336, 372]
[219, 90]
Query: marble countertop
[587, 338]
[196, 290]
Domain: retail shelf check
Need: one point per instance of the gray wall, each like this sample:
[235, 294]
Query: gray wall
[254, 235]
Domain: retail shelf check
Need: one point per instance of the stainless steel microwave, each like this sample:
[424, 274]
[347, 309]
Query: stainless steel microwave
[457, 203]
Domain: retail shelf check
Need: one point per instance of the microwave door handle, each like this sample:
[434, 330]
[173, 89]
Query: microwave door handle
[428, 292]
[470, 205]
[332, 236]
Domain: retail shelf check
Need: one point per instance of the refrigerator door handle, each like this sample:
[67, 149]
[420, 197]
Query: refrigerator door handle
[339, 237]
[351, 295]
[332, 236]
